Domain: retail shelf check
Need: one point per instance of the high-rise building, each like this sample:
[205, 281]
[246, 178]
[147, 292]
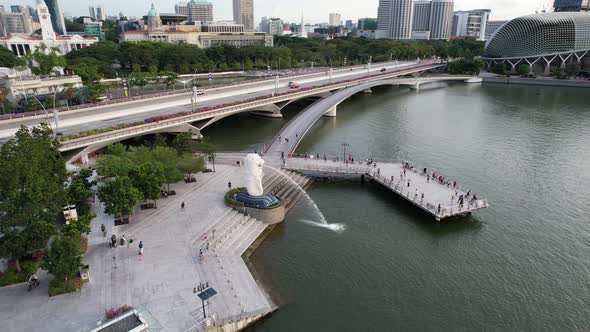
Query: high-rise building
[571, 5]
[348, 25]
[17, 8]
[100, 14]
[15, 23]
[181, 8]
[441, 19]
[244, 13]
[275, 26]
[263, 27]
[199, 11]
[367, 24]
[422, 10]
[394, 19]
[335, 19]
[92, 12]
[2, 9]
[470, 23]
[57, 19]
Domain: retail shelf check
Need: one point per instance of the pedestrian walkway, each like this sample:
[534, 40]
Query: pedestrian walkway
[431, 191]
[161, 281]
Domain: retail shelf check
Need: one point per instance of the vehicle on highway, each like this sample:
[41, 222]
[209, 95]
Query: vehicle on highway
[293, 85]
[383, 70]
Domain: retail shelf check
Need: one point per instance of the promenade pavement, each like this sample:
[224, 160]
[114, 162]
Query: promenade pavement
[161, 281]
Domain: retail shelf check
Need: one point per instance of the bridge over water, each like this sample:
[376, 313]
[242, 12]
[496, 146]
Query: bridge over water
[292, 134]
[193, 123]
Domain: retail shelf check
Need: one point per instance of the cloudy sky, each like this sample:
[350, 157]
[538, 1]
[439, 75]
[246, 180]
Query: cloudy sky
[290, 10]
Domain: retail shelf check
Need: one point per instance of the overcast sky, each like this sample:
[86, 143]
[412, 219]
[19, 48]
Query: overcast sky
[315, 11]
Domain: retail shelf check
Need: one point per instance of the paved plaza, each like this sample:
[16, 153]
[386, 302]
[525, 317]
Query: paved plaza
[160, 282]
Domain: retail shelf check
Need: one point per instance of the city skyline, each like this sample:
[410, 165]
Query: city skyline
[313, 11]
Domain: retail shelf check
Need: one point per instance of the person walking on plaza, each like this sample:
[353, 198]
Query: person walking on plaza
[103, 229]
[182, 205]
[140, 248]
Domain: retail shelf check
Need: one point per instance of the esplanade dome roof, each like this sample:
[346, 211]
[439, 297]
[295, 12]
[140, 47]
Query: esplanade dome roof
[540, 35]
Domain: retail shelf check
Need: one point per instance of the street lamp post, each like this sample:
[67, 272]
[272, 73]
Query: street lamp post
[204, 293]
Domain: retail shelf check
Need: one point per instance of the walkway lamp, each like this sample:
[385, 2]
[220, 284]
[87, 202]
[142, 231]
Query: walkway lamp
[204, 292]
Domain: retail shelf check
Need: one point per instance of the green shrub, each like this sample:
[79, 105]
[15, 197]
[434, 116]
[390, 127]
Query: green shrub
[58, 287]
[229, 197]
[11, 276]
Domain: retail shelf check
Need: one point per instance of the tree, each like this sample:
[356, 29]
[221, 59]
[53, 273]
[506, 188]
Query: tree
[117, 149]
[168, 158]
[76, 26]
[189, 165]
[148, 179]
[32, 177]
[169, 78]
[44, 60]
[182, 143]
[524, 70]
[207, 148]
[9, 59]
[79, 226]
[138, 79]
[119, 196]
[63, 259]
[111, 166]
[78, 194]
[499, 68]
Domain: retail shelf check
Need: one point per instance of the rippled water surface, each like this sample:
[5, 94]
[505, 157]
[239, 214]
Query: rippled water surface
[523, 264]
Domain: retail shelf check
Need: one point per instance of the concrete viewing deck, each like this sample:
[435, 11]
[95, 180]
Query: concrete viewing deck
[441, 200]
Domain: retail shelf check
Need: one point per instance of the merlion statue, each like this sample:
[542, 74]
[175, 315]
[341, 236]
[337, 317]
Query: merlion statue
[253, 165]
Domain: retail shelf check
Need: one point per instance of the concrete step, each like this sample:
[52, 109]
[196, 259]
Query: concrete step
[238, 235]
[225, 233]
[255, 232]
[269, 179]
[227, 215]
[247, 242]
[277, 179]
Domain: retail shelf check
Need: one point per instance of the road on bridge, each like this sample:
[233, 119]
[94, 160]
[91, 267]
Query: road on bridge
[79, 121]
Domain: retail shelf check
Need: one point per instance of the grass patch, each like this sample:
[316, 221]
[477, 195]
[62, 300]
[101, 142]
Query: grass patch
[12, 277]
[58, 287]
[229, 197]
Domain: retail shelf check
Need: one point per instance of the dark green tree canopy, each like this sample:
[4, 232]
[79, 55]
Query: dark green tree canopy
[32, 194]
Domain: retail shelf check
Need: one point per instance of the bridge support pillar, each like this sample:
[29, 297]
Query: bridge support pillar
[415, 86]
[270, 111]
[331, 112]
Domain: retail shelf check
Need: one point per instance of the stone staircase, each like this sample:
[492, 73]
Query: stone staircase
[231, 235]
[278, 185]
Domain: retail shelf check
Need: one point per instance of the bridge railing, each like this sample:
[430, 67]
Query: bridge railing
[85, 141]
